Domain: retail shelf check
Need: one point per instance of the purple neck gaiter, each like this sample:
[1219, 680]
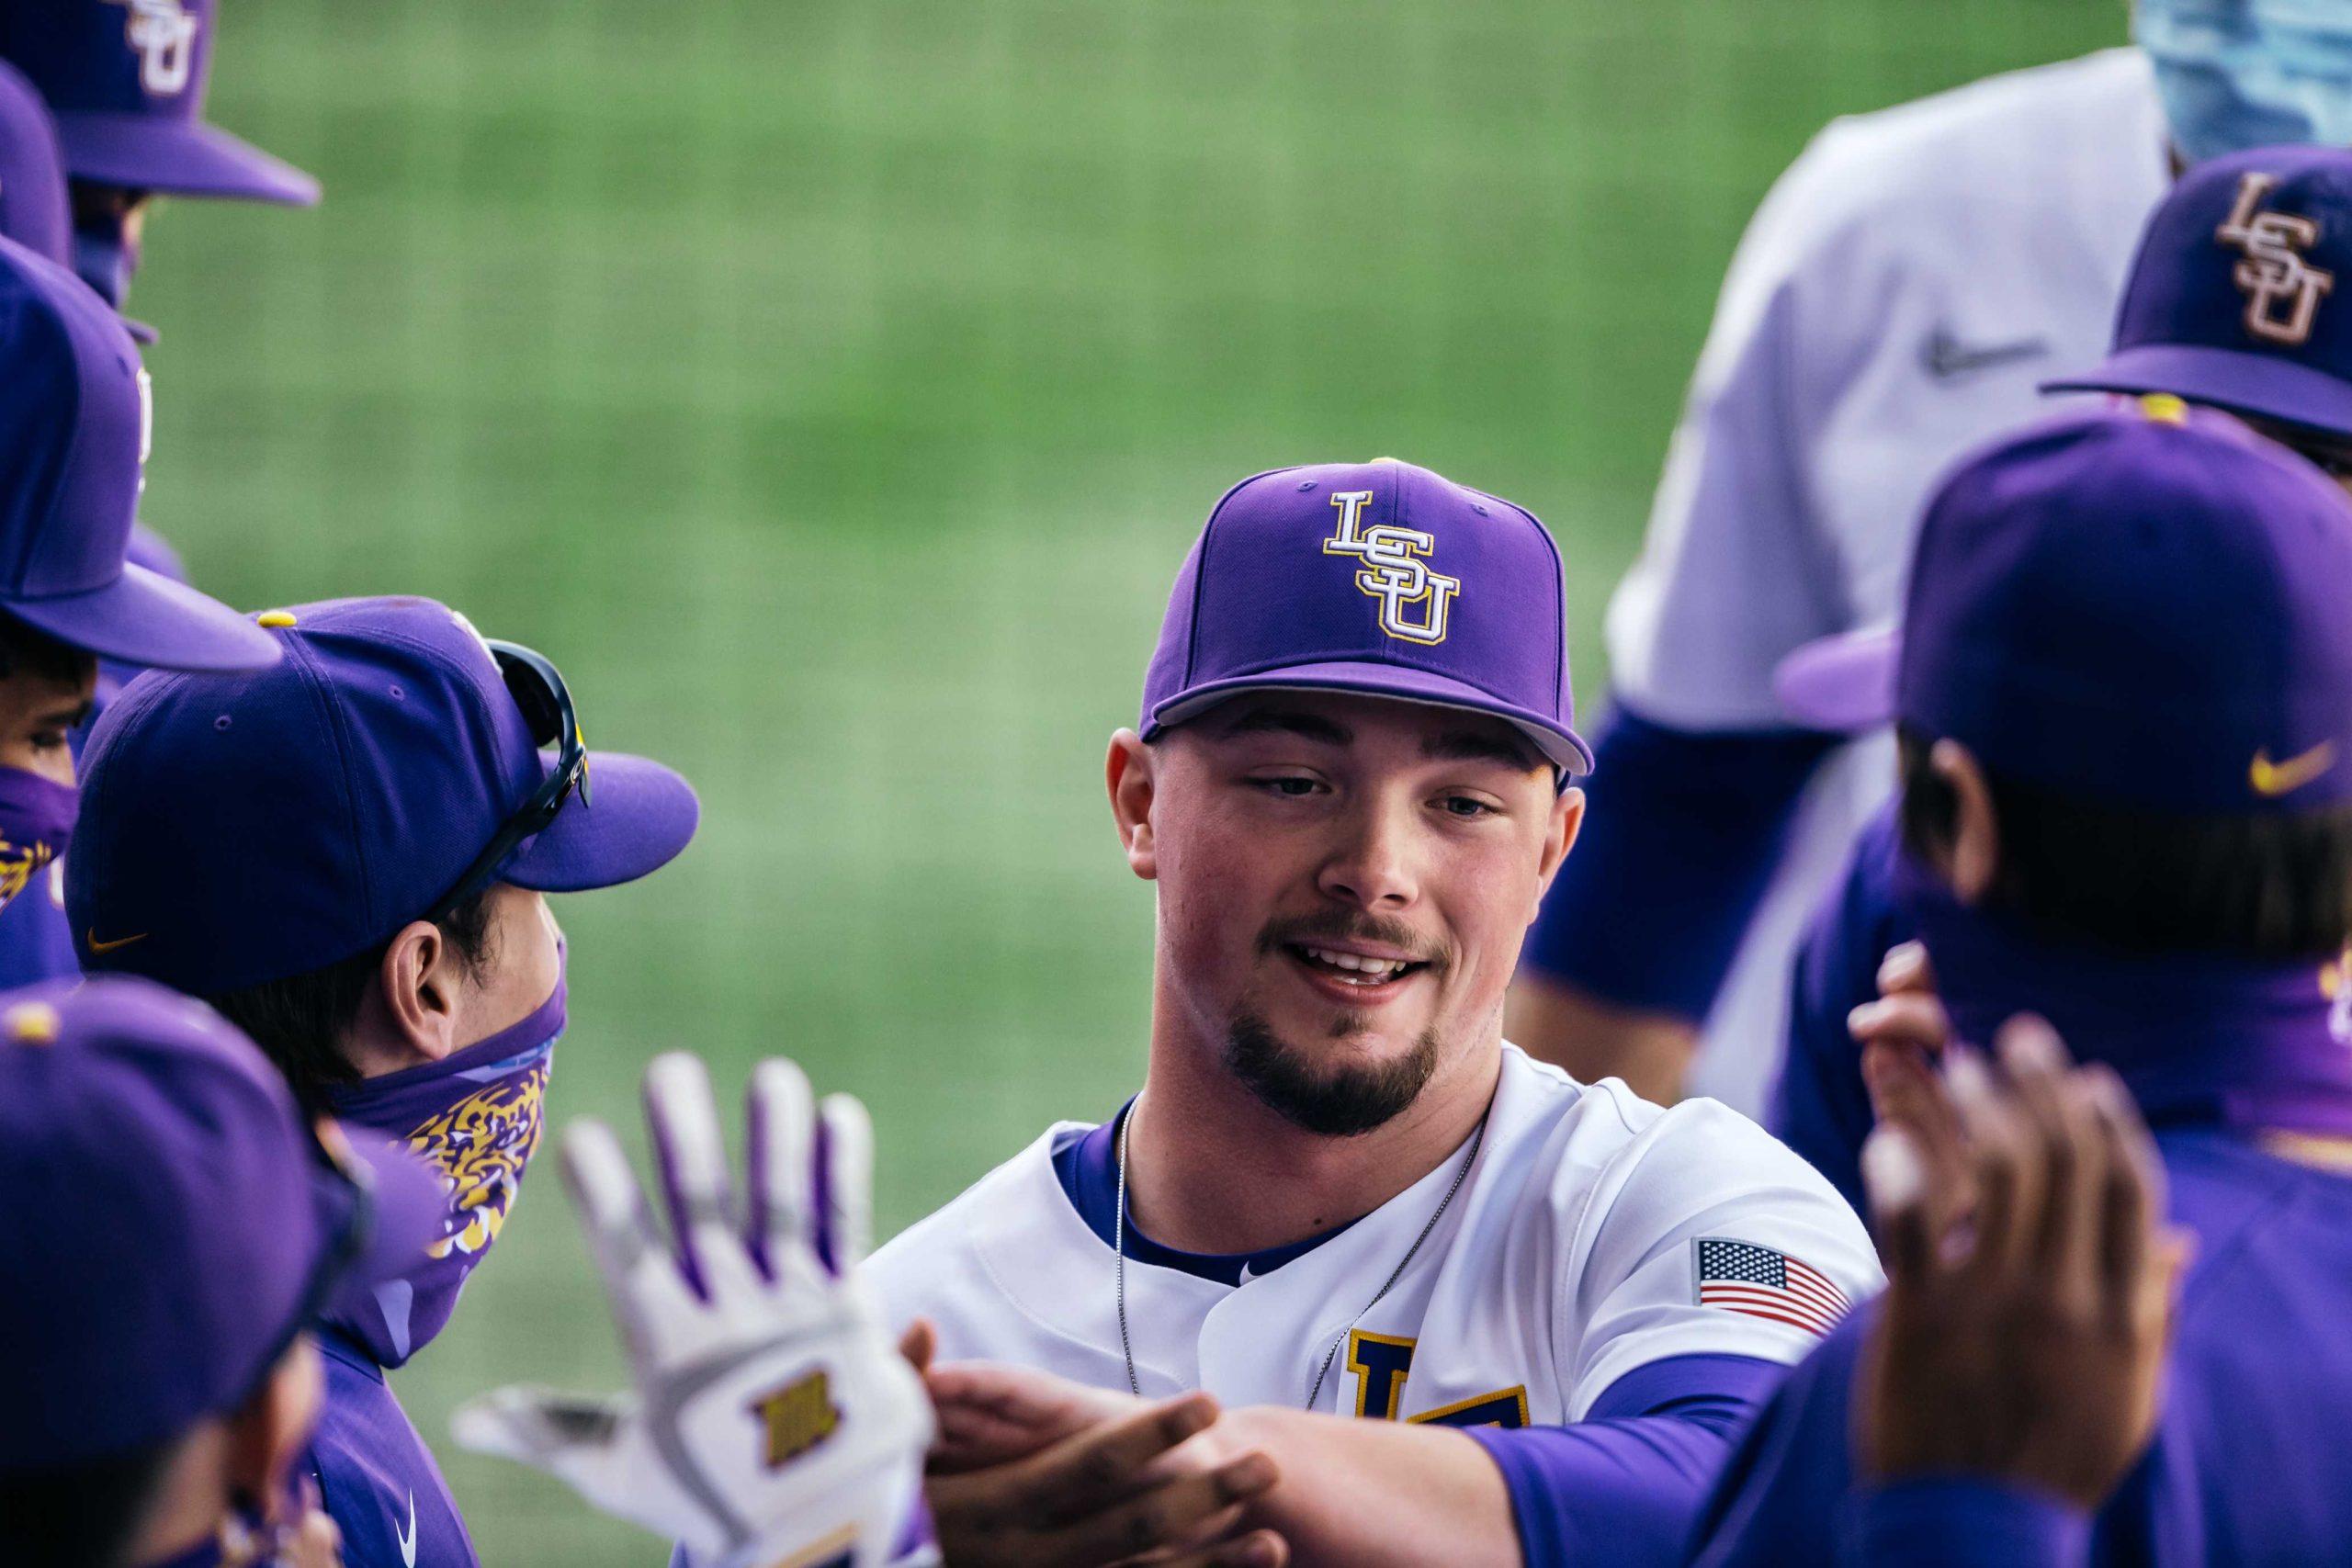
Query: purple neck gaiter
[474, 1117]
[36, 819]
[2201, 1039]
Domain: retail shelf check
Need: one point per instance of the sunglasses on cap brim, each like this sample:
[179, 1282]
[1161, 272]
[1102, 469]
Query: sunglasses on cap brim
[545, 703]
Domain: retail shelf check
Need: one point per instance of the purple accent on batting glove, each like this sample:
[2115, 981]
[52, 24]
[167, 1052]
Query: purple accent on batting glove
[169, 1219]
[1682, 833]
[1088, 1170]
[1625, 1483]
[821, 1199]
[72, 434]
[1426, 591]
[682, 1234]
[1844, 683]
[916, 1533]
[2138, 609]
[257, 828]
[1820, 1106]
[1961, 1522]
[2213, 311]
[376, 1477]
[127, 83]
[2199, 1039]
[473, 1119]
[34, 209]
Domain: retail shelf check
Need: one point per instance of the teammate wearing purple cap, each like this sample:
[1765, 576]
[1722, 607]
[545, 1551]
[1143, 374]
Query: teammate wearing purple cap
[172, 1224]
[2229, 305]
[126, 80]
[1536, 1307]
[347, 855]
[73, 419]
[34, 209]
[2126, 699]
[1899, 295]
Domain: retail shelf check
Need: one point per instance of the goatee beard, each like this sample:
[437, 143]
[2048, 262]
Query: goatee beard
[1344, 1101]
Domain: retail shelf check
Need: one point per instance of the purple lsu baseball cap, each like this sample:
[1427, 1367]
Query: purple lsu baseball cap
[74, 424]
[171, 1223]
[1374, 578]
[239, 831]
[126, 80]
[2147, 610]
[34, 209]
[2241, 296]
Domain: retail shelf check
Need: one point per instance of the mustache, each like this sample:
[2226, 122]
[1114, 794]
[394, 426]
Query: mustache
[1353, 925]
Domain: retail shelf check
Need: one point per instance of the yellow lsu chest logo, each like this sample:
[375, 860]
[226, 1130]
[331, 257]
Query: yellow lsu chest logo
[1381, 1362]
[1414, 600]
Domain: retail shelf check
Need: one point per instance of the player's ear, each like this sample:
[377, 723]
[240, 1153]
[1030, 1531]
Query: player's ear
[268, 1434]
[1559, 838]
[417, 982]
[1974, 856]
[1128, 770]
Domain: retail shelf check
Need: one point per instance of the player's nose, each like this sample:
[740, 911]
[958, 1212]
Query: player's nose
[1370, 862]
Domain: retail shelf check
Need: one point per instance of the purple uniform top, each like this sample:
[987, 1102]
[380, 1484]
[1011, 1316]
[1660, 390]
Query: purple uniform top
[1820, 1106]
[376, 1477]
[2247, 1466]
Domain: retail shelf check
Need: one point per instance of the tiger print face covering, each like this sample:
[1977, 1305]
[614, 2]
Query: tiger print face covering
[474, 1117]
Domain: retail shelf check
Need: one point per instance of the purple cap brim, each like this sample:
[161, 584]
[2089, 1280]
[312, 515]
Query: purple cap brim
[1563, 748]
[2267, 385]
[143, 617]
[638, 817]
[184, 157]
[1843, 683]
[141, 332]
[407, 1205]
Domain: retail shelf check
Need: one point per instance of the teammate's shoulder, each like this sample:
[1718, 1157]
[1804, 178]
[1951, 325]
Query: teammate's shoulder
[993, 1192]
[1934, 153]
[2007, 107]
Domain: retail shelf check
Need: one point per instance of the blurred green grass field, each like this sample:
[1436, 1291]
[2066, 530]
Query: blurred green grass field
[832, 385]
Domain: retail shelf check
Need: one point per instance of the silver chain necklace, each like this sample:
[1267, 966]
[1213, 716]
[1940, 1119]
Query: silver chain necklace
[1315, 1390]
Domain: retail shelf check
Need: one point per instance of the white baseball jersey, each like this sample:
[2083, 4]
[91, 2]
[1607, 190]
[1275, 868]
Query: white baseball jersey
[1896, 300]
[1578, 1248]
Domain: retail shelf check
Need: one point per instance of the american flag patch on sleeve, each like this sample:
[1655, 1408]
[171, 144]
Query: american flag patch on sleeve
[1739, 1276]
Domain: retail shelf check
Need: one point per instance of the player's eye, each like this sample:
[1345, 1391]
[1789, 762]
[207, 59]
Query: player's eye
[49, 739]
[1468, 807]
[1290, 786]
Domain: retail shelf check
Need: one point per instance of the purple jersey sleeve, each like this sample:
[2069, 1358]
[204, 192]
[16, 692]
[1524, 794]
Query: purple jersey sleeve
[1623, 1484]
[1960, 1523]
[36, 943]
[1819, 1106]
[376, 1477]
[1680, 839]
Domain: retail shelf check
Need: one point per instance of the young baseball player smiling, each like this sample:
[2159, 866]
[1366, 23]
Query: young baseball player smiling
[1340, 1192]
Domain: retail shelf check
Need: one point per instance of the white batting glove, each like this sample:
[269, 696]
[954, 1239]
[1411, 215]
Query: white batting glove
[773, 1422]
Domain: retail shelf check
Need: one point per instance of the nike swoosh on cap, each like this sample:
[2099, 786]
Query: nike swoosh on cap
[2274, 779]
[97, 947]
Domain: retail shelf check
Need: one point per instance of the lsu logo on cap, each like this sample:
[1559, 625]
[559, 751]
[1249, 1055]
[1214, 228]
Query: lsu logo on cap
[1414, 600]
[2282, 290]
[164, 35]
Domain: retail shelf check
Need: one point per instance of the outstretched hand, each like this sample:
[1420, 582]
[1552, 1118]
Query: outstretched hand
[2031, 1280]
[1033, 1470]
[772, 1415]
